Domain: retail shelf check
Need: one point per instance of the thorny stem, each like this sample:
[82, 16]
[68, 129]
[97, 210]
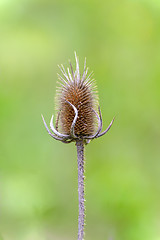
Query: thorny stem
[80, 161]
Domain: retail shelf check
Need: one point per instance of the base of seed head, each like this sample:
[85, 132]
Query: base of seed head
[76, 114]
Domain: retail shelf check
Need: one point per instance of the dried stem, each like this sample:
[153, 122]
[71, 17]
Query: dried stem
[80, 161]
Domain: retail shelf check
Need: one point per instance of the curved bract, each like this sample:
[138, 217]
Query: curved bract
[72, 137]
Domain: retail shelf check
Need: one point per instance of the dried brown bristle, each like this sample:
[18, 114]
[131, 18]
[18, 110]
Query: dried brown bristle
[79, 90]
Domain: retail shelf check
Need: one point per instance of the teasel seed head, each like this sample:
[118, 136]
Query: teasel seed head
[76, 105]
[80, 91]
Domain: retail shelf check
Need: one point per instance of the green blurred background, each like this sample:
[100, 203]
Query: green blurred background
[38, 176]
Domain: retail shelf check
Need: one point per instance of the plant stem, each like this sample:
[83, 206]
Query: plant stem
[80, 161]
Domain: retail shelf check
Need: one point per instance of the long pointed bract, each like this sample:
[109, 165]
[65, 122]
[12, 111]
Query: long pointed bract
[56, 132]
[74, 120]
[101, 134]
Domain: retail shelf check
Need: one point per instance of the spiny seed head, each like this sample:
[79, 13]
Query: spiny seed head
[79, 90]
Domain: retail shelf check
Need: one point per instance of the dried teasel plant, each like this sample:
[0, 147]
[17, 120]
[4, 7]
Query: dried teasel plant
[77, 119]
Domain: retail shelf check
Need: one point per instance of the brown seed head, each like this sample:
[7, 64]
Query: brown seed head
[79, 90]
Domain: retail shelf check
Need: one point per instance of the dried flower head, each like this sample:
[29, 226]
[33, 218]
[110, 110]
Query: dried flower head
[76, 104]
[80, 92]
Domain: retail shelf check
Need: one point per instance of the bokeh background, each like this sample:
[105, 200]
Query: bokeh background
[38, 176]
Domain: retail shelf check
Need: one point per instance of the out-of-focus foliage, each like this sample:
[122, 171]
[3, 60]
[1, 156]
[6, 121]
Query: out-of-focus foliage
[38, 176]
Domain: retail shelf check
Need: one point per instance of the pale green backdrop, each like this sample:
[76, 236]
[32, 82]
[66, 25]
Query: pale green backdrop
[38, 176]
